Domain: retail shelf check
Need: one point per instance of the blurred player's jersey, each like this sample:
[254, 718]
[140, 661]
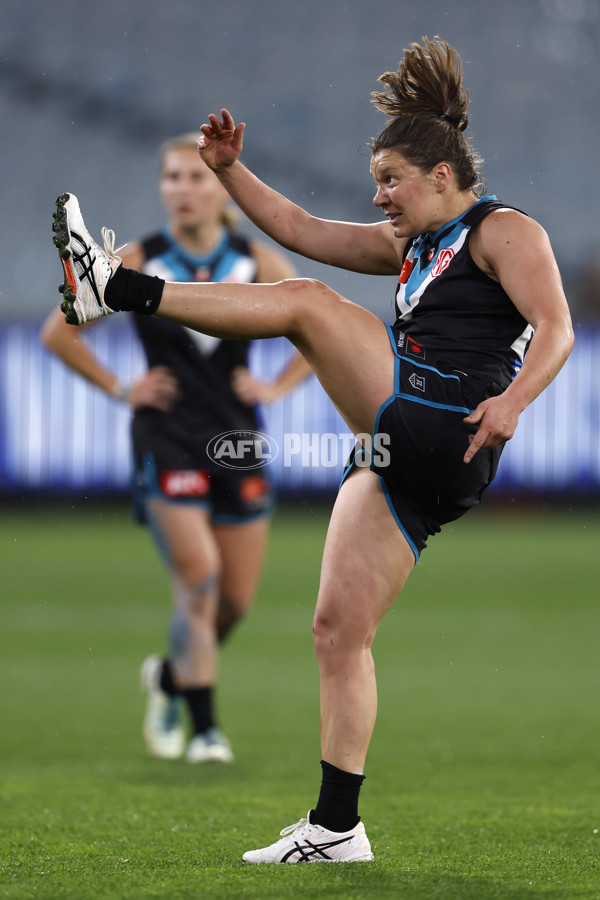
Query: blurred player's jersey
[201, 364]
[451, 311]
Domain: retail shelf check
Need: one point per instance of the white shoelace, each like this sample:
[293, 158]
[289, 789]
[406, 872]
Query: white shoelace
[108, 236]
[290, 828]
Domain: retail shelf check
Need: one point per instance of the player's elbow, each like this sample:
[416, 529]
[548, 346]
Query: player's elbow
[569, 337]
[55, 333]
[566, 337]
[46, 335]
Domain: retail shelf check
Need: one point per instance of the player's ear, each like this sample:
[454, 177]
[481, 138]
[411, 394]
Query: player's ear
[441, 175]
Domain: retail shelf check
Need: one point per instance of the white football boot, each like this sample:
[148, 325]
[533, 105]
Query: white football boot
[307, 843]
[211, 746]
[163, 730]
[87, 266]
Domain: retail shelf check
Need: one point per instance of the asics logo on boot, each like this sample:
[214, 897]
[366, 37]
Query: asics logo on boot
[308, 850]
[85, 262]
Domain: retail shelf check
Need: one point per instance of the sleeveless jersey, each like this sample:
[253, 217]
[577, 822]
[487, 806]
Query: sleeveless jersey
[451, 312]
[201, 364]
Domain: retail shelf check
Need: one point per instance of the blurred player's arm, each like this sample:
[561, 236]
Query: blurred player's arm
[272, 265]
[251, 389]
[157, 387]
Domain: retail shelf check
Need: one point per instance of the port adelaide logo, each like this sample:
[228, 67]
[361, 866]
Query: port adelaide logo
[242, 450]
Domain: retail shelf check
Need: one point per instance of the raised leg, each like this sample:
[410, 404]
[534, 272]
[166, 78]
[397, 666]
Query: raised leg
[346, 345]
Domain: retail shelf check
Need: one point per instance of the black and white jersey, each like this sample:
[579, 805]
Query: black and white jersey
[201, 364]
[450, 310]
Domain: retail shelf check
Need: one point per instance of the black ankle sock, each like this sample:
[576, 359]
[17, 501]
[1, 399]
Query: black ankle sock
[337, 807]
[131, 291]
[167, 685]
[200, 705]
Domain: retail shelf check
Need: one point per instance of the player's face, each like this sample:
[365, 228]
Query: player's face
[190, 192]
[408, 197]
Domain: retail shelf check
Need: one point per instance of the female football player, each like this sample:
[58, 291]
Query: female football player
[482, 328]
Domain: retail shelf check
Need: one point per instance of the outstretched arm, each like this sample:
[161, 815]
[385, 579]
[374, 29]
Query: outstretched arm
[371, 249]
[516, 251]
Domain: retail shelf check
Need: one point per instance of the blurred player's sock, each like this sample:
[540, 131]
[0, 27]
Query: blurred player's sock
[200, 705]
[166, 681]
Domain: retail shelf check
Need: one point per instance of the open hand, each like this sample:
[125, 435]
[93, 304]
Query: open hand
[497, 419]
[157, 388]
[220, 143]
[249, 389]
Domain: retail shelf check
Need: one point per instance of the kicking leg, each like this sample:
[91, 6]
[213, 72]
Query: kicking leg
[347, 346]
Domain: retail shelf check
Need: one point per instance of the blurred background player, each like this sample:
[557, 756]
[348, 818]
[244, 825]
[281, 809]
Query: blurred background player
[210, 524]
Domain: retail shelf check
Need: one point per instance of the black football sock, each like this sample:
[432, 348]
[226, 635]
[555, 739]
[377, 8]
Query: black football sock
[337, 807]
[200, 704]
[131, 291]
[166, 683]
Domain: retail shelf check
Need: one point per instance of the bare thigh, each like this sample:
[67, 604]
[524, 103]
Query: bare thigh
[366, 562]
[349, 350]
[347, 346]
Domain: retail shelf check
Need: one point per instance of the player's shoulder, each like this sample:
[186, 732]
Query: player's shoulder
[507, 224]
[504, 235]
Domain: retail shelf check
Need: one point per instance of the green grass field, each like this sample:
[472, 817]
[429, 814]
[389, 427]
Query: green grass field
[483, 779]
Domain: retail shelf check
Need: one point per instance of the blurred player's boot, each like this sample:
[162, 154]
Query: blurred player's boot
[211, 746]
[163, 731]
[87, 266]
[307, 843]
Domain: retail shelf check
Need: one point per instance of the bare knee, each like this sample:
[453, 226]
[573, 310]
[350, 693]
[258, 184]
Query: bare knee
[196, 599]
[230, 612]
[307, 297]
[337, 636]
[197, 568]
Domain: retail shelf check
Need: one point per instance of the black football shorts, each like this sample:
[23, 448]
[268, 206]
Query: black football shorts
[419, 442]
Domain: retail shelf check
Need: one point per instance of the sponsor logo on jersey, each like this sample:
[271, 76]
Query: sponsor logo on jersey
[413, 348]
[444, 258]
[406, 270]
[185, 483]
